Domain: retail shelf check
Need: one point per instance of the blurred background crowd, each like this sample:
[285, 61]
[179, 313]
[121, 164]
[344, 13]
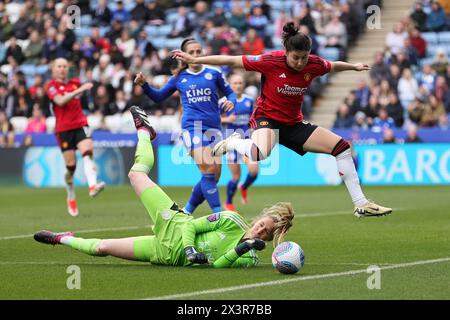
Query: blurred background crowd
[410, 77]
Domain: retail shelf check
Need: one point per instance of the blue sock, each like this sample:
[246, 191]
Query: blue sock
[249, 181]
[210, 191]
[231, 190]
[196, 198]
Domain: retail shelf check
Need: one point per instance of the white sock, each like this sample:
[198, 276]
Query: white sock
[90, 170]
[68, 177]
[348, 173]
[242, 146]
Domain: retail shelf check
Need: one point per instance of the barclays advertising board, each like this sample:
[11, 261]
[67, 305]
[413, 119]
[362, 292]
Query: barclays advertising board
[378, 164]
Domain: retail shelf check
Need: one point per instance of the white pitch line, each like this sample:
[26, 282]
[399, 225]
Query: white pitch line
[81, 231]
[49, 263]
[291, 280]
[304, 215]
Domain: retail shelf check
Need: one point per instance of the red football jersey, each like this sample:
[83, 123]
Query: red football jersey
[70, 116]
[282, 88]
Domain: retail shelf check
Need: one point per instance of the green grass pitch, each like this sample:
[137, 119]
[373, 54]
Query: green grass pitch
[411, 246]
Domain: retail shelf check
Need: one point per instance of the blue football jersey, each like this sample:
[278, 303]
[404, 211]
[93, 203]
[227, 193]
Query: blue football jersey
[243, 109]
[199, 93]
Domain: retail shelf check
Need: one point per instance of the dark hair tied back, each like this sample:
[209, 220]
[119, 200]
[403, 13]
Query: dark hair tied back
[186, 42]
[295, 40]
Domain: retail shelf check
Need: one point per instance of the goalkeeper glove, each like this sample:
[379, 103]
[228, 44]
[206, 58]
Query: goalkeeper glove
[195, 257]
[247, 245]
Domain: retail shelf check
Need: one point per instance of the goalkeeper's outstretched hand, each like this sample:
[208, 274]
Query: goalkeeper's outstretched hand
[247, 245]
[195, 257]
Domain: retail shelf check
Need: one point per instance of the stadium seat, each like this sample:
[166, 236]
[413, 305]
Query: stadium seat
[86, 20]
[114, 122]
[152, 31]
[19, 124]
[444, 37]
[42, 69]
[83, 32]
[50, 122]
[430, 37]
[168, 123]
[331, 54]
[28, 69]
[173, 43]
[159, 42]
[103, 31]
[2, 51]
[94, 121]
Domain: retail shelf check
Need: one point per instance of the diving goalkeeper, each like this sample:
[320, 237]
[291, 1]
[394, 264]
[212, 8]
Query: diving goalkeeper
[222, 239]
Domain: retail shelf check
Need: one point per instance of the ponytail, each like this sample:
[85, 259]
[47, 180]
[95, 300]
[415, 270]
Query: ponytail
[295, 40]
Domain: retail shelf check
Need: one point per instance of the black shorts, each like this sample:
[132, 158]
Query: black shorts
[68, 140]
[290, 136]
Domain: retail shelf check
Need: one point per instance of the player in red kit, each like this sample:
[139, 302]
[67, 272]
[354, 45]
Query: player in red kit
[71, 129]
[285, 77]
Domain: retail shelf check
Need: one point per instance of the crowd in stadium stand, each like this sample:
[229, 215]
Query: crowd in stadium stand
[409, 84]
[117, 39]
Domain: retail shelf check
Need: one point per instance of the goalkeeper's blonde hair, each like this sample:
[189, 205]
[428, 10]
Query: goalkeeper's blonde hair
[282, 214]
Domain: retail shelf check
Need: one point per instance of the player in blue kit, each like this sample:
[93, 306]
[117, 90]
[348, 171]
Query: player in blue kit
[198, 86]
[236, 121]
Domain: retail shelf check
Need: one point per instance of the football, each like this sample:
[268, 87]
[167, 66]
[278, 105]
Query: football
[288, 257]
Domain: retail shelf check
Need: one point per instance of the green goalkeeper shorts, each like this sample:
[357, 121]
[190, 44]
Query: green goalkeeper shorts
[166, 246]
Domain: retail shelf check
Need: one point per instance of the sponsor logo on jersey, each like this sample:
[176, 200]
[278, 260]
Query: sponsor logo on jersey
[283, 75]
[213, 217]
[253, 58]
[263, 123]
[196, 95]
[307, 76]
[208, 76]
[291, 91]
[52, 89]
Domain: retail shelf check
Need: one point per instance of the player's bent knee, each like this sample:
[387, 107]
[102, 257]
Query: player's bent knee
[102, 249]
[134, 175]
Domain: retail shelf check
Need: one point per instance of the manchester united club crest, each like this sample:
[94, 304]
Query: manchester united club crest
[307, 76]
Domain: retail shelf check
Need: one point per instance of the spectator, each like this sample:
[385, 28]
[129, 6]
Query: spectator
[395, 39]
[102, 44]
[201, 16]
[418, 42]
[104, 69]
[217, 44]
[411, 53]
[218, 17]
[140, 12]
[360, 121]
[115, 31]
[101, 15]
[38, 83]
[88, 49]
[126, 44]
[353, 103]
[343, 117]
[401, 59]
[50, 45]
[440, 62]
[411, 135]
[351, 18]
[7, 135]
[389, 136]
[265, 7]
[382, 121]
[6, 28]
[258, 21]
[394, 76]
[336, 33]
[181, 27]
[440, 88]
[253, 44]
[427, 78]
[120, 102]
[14, 50]
[120, 14]
[379, 69]
[362, 93]
[238, 20]
[22, 102]
[138, 98]
[433, 110]
[6, 101]
[117, 75]
[280, 21]
[156, 15]
[22, 27]
[419, 17]
[314, 43]
[443, 122]
[36, 124]
[307, 19]
[102, 102]
[415, 111]
[436, 19]
[407, 88]
[33, 51]
[395, 109]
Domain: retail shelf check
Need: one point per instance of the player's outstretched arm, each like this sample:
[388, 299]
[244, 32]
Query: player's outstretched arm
[61, 100]
[155, 94]
[222, 60]
[344, 66]
[235, 257]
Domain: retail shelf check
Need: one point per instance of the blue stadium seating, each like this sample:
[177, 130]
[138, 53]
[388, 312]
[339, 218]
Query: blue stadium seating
[2, 51]
[28, 69]
[331, 54]
[42, 69]
[444, 37]
[430, 37]
[83, 32]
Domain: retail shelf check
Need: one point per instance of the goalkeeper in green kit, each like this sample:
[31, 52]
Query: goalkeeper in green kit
[222, 239]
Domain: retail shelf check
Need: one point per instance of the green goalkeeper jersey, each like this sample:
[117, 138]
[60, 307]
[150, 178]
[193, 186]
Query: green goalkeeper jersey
[216, 236]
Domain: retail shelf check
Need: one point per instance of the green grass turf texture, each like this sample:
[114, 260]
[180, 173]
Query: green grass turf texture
[333, 240]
